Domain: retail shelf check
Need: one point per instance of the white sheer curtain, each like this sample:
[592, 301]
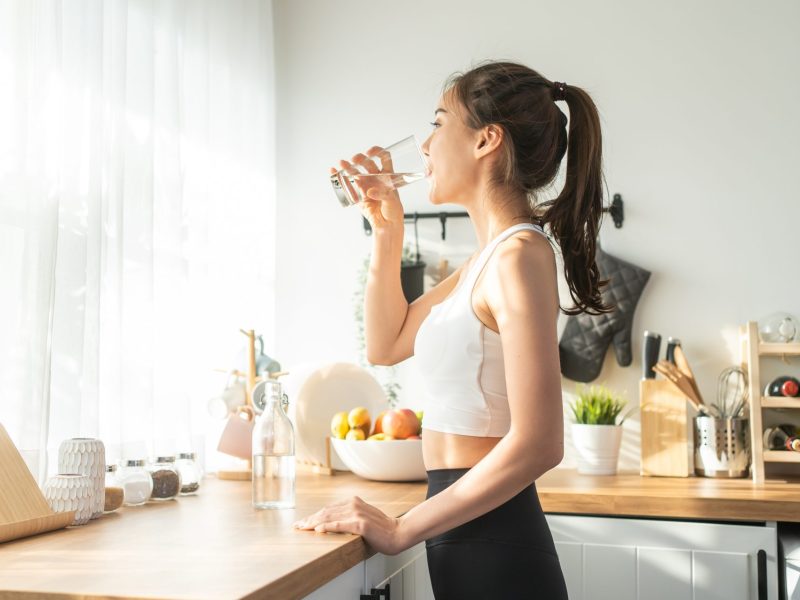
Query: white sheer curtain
[136, 216]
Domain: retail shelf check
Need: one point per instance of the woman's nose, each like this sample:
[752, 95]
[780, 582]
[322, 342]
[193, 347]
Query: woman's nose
[424, 146]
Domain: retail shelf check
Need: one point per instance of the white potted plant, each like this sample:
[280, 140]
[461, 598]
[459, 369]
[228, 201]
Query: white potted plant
[596, 433]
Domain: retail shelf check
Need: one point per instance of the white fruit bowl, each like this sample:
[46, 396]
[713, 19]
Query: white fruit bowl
[383, 460]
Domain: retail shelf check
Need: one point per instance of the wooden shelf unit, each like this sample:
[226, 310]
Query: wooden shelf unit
[783, 456]
[752, 350]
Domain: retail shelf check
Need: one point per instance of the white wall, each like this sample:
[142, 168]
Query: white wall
[699, 110]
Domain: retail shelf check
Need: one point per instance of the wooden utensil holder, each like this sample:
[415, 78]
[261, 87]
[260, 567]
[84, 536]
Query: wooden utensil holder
[24, 511]
[666, 430]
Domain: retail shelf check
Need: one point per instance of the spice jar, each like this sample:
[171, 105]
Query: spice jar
[114, 492]
[189, 471]
[166, 481]
[136, 483]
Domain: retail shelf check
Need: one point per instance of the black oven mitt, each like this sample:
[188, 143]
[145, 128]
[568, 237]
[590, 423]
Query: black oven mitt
[585, 338]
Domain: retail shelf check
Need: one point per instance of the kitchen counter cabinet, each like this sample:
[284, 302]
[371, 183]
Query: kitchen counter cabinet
[625, 559]
[214, 545]
[406, 574]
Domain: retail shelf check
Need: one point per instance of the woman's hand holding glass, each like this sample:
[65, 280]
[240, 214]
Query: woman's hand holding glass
[380, 202]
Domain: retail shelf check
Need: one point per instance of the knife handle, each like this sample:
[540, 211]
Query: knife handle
[671, 343]
[650, 350]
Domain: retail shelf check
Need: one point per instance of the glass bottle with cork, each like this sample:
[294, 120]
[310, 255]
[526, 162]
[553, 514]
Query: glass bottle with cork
[273, 453]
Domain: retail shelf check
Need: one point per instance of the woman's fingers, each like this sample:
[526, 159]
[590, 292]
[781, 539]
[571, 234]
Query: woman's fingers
[341, 526]
[325, 516]
[349, 507]
[352, 500]
[384, 156]
[369, 165]
[348, 167]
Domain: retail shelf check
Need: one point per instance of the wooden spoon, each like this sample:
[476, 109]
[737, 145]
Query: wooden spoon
[681, 382]
[683, 365]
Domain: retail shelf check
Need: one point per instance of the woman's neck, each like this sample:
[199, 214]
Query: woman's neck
[492, 217]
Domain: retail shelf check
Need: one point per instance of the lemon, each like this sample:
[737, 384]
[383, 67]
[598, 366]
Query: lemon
[339, 426]
[359, 417]
[355, 434]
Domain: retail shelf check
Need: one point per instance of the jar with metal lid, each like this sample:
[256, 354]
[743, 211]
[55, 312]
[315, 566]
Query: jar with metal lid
[190, 473]
[115, 495]
[135, 481]
[166, 480]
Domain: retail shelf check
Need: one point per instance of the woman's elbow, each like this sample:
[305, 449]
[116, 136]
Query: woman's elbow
[558, 456]
[539, 457]
[380, 360]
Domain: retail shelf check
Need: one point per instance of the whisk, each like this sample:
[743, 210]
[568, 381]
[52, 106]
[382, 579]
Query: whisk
[731, 392]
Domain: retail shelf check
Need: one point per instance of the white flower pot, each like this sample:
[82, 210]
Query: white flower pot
[86, 456]
[598, 448]
[68, 492]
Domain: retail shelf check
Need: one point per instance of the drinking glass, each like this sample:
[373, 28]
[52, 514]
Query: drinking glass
[393, 167]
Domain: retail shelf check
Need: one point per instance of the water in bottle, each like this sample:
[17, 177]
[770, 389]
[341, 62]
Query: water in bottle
[273, 454]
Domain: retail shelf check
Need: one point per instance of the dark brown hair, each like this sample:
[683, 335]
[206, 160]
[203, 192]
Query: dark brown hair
[521, 101]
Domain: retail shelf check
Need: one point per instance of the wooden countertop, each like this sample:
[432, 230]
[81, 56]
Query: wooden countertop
[703, 498]
[214, 545]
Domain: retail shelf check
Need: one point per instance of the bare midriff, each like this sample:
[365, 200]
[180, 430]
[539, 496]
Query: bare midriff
[454, 451]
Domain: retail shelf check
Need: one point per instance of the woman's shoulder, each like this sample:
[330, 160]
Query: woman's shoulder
[521, 273]
[524, 247]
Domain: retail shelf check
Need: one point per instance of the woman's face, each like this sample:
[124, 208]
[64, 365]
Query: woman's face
[450, 152]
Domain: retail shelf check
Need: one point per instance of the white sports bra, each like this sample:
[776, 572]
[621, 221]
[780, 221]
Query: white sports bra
[461, 361]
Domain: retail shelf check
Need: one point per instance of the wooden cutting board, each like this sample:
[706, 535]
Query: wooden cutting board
[23, 508]
[667, 447]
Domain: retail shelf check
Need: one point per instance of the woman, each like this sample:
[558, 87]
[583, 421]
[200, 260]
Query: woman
[485, 337]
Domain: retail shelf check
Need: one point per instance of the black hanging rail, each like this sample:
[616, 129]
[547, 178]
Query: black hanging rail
[615, 210]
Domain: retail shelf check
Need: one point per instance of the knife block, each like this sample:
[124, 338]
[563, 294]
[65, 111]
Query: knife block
[667, 440]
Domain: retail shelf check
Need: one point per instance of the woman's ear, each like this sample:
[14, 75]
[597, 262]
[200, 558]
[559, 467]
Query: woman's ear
[489, 139]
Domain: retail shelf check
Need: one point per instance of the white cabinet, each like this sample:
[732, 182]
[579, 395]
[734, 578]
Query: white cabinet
[347, 586]
[406, 574]
[626, 559]
[612, 558]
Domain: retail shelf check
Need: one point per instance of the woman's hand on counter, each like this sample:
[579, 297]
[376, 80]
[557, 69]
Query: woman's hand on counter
[382, 532]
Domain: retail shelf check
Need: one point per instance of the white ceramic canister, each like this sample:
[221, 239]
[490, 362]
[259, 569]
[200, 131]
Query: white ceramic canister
[86, 456]
[66, 492]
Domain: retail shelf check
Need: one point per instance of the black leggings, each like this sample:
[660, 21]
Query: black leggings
[505, 554]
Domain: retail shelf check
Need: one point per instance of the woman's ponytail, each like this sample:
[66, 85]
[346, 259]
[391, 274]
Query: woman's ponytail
[575, 215]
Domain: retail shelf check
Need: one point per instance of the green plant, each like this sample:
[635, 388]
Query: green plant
[385, 375]
[597, 405]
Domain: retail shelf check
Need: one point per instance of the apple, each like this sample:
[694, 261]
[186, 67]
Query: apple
[400, 423]
[412, 417]
[378, 428]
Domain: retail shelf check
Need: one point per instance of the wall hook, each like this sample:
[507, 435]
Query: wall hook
[616, 211]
